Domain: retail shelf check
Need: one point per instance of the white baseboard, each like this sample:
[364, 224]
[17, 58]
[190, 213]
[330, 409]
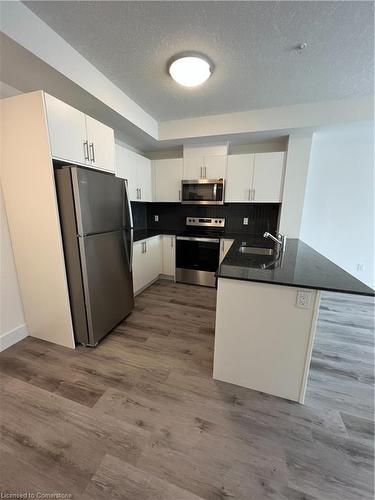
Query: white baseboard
[9, 338]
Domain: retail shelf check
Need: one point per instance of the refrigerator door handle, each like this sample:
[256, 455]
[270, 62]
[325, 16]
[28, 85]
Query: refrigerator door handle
[128, 206]
[131, 250]
[128, 247]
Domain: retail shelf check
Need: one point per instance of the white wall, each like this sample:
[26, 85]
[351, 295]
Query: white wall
[297, 164]
[12, 322]
[338, 214]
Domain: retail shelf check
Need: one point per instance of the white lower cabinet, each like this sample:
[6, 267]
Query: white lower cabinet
[147, 262]
[139, 271]
[169, 255]
[152, 257]
[224, 247]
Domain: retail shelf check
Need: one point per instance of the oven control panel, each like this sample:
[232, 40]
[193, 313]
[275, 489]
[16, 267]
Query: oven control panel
[205, 221]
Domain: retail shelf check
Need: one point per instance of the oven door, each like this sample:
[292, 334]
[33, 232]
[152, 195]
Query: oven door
[203, 192]
[197, 260]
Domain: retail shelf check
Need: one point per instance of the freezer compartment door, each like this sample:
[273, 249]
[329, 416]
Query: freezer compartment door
[100, 201]
[108, 282]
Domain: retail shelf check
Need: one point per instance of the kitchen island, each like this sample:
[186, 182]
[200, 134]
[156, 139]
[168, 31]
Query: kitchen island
[267, 309]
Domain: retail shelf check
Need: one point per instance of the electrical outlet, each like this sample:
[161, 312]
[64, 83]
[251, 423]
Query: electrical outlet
[245, 221]
[303, 299]
[156, 218]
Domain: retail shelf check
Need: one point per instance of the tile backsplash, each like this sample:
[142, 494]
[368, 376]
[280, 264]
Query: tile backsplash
[261, 216]
[139, 210]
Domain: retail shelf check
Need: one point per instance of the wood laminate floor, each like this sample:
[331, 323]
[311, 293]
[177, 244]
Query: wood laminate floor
[140, 417]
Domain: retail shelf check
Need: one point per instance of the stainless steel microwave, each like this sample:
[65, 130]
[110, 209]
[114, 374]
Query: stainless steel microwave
[203, 192]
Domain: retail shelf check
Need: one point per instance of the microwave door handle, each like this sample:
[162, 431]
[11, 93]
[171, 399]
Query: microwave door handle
[215, 192]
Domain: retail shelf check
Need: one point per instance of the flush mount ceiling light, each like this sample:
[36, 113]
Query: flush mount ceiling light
[190, 69]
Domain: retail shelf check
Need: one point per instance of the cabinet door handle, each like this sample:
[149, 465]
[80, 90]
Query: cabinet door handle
[145, 246]
[201, 172]
[179, 195]
[249, 197]
[222, 246]
[171, 241]
[92, 152]
[205, 172]
[140, 193]
[253, 194]
[86, 150]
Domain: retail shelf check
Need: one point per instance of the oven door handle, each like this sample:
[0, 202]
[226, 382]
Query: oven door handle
[195, 238]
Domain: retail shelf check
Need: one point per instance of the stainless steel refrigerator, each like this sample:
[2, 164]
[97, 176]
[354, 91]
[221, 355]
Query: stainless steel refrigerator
[97, 230]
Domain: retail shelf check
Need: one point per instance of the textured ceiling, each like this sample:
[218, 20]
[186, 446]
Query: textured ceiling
[252, 45]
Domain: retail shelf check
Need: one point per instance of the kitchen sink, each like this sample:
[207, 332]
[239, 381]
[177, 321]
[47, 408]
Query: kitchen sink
[256, 250]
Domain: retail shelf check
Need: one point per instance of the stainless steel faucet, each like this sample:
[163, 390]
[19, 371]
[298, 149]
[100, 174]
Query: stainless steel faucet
[280, 240]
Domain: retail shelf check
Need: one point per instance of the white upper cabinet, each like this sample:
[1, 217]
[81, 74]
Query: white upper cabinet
[67, 131]
[268, 177]
[238, 187]
[255, 178]
[126, 167]
[101, 141]
[144, 179]
[215, 167]
[168, 177]
[78, 138]
[205, 167]
[136, 169]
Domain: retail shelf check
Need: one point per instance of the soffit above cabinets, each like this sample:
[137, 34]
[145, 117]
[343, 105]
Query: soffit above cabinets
[29, 65]
[252, 45]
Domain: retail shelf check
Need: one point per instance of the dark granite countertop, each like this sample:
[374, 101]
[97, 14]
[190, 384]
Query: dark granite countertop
[300, 266]
[142, 234]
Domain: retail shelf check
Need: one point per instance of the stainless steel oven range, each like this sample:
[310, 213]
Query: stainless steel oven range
[198, 250]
